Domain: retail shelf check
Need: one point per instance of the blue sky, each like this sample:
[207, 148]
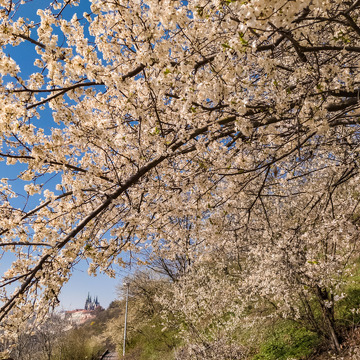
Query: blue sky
[74, 293]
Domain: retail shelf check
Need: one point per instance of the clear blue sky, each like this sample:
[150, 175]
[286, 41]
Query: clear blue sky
[74, 293]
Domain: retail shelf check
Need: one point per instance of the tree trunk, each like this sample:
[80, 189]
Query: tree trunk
[328, 317]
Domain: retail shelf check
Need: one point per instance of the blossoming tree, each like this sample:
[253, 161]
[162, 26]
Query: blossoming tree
[183, 127]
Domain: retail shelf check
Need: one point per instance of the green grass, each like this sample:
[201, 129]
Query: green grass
[288, 341]
[150, 342]
[346, 317]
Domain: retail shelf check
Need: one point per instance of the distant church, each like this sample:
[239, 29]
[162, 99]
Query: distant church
[80, 316]
[91, 304]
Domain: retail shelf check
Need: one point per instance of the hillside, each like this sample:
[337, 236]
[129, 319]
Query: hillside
[154, 333]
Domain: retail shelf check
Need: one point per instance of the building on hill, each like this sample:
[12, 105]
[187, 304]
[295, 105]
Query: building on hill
[91, 304]
[80, 316]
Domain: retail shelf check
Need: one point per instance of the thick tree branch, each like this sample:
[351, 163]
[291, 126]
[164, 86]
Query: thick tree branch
[203, 62]
[342, 105]
[355, 49]
[28, 38]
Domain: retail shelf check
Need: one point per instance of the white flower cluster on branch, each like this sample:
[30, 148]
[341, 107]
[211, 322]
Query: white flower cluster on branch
[189, 128]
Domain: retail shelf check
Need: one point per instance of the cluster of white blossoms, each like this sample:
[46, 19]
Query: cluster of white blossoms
[239, 116]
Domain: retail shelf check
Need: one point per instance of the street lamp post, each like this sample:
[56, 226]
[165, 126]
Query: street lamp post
[126, 311]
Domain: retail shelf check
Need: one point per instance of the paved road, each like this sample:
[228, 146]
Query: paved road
[110, 356]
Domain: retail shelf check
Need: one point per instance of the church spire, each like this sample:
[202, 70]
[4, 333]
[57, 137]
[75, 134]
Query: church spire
[91, 304]
[88, 302]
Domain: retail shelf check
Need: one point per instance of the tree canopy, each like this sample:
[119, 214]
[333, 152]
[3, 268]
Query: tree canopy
[205, 132]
